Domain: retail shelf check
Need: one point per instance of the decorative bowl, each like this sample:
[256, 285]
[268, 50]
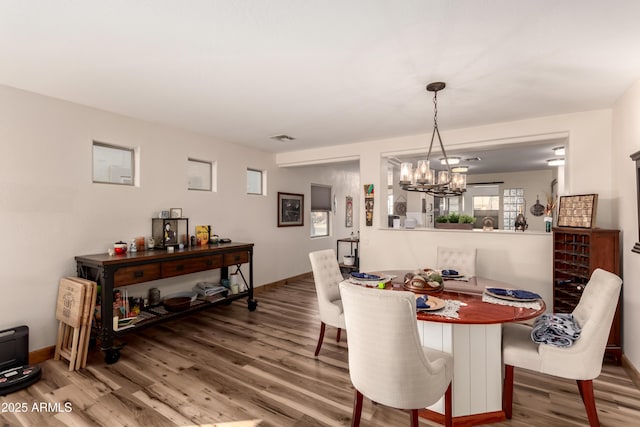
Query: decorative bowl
[423, 283]
[177, 304]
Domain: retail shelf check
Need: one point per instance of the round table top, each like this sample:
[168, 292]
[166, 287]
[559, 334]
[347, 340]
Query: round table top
[473, 310]
[478, 312]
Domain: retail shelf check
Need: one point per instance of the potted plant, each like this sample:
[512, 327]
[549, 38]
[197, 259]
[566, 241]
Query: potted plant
[455, 221]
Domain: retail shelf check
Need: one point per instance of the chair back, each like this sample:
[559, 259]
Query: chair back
[386, 361]
[461, 259]
[327, 276]
[594, 313]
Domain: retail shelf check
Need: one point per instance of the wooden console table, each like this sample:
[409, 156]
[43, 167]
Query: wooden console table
[113, 271]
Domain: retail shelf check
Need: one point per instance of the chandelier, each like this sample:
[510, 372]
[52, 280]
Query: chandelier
[424, 179]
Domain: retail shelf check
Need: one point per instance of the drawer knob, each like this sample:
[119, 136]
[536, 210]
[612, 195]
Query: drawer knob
[138, 273]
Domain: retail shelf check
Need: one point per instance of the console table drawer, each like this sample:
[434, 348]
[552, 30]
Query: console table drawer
[235, 258]
[136, 274]
[191, 265]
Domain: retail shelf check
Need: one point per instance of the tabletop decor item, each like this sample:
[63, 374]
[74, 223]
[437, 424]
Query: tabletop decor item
[424, 281]
[290, 209]
[176, 213]
[120, 248]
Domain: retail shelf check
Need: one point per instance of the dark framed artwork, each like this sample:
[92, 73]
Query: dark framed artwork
[578, 211]
[290, 209]
[636, 158]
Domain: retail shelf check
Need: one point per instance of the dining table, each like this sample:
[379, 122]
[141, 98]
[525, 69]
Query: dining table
[469, 327]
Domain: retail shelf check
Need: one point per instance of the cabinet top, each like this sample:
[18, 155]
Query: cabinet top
[161, 254]
[584, 230]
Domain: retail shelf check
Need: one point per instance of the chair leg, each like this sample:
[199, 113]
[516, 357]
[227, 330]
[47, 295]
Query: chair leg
[322, 328]
[357, 409]
[414, 418]
[586, 392]
[448, 407]
[338, 335]
[507, 392]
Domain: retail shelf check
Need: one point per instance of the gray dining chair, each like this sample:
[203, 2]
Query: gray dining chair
[387, 362]
[583, 360]
[327, 275]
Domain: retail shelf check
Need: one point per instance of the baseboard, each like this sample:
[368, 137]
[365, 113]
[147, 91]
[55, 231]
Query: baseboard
[282, 282]
[41, 355]
[631, 371]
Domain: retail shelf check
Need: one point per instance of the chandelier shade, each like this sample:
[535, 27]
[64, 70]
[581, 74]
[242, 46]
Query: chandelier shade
[426, 180]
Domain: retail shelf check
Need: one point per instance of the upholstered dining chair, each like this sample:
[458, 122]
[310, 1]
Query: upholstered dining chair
[462, 260]
[327, 275]
[583, 360]
[387, 362]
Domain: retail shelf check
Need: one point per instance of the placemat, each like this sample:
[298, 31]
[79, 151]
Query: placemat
[450, 309]
[535, 305]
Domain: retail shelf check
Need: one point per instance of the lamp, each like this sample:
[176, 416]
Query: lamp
[555, 162]
[423, 179]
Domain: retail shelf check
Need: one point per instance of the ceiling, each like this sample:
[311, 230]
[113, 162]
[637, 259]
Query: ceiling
[325, 72]
[530, 156]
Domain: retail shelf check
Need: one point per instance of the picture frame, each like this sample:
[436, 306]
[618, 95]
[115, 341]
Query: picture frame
[636, 158]
[348, 220]
[164, 214]
[290, 209]
[578, 211]
[176, 213]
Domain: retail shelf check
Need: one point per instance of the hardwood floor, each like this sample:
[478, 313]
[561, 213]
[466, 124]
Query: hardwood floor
[229, 367]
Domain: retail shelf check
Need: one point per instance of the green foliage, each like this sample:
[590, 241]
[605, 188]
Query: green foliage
[454, 217]
[466, 219]
[442, 218]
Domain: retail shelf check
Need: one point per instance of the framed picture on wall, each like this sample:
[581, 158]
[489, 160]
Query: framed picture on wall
[290, 209]
[578, 211]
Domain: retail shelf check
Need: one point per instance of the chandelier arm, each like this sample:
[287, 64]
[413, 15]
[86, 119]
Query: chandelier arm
[435, 129]
[433, 135]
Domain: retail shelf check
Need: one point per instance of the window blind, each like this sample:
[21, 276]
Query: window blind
[320, 198]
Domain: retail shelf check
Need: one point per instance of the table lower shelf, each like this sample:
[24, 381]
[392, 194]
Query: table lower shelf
[154, 315]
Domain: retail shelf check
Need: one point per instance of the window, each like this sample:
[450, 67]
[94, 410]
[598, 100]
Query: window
[113, 164]
[513, 204]
[320, 208]
[200, 174]
[486, 203]
[255, 181]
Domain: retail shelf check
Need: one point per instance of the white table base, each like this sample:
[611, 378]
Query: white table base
[477, 365]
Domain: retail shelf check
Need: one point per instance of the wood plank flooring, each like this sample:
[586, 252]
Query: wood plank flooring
[229, 367]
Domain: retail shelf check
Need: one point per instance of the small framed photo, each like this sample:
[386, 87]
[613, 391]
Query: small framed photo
[176, 212]
[164, 214]
[290, 209]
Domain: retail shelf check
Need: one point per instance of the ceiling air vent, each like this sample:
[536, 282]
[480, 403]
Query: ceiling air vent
[282, 138]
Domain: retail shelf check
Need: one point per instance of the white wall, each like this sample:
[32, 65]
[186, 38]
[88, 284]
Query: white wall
[626, 141]
[523, 259]
[50, 210]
